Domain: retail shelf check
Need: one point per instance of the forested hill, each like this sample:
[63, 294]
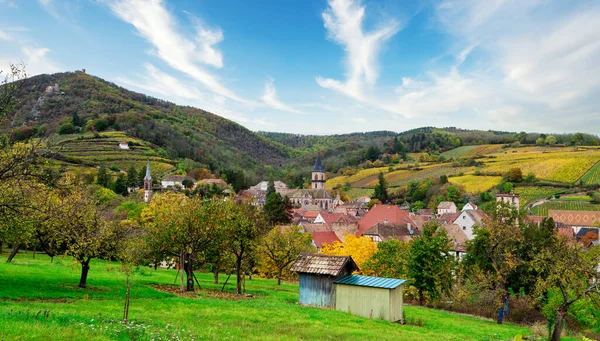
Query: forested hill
[182, 131]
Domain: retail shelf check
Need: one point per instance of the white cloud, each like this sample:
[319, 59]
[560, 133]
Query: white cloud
[155, 24]
[541, 59]
[160, 84]
[269, 97]
[5, 36]
[37, 61]
[344, 23]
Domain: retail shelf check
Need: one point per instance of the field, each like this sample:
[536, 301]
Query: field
[475, 184]
[542, 210]
[458, 152]
[529, 194]
[592, 176]
[39, 300]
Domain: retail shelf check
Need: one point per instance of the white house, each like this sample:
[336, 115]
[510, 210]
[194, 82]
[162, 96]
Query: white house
[467, 219]
[446, 207]
[469, 206]
[176, 180]
[263, 186]
[123, 145]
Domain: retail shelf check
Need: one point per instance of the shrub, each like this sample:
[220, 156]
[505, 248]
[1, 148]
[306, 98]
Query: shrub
[66, 128]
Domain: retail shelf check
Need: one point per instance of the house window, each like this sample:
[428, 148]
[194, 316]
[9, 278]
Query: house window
[464, 228]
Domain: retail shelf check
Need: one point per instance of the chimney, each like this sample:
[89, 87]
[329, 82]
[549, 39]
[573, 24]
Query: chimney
[385, 221]
[409, 227]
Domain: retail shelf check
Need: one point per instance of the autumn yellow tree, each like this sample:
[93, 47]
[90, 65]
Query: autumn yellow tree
[178, 226]
[361, 249]
[279, 249]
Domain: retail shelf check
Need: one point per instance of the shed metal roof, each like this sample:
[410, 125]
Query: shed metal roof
[368, 281]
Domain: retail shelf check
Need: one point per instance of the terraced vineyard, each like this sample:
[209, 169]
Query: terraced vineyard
[530, 194]
[103, 149]
[542, 210]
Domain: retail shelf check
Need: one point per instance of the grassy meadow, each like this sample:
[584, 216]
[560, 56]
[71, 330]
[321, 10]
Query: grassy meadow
[40, 300]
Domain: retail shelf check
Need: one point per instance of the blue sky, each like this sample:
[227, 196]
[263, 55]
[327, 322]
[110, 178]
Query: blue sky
[331, 66]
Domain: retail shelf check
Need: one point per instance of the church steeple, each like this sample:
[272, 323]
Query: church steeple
[147, 184]
[318, 175]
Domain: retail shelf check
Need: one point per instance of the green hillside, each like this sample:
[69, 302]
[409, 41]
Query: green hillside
[175, 132]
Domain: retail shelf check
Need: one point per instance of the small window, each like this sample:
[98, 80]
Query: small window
[464, 217]
[464, 228]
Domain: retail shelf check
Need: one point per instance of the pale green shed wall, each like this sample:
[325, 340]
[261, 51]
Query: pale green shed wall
[385, 304]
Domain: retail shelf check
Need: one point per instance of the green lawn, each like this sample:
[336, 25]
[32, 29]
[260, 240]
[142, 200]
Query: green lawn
[40, 300]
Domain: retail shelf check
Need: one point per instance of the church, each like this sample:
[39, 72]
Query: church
[317, 195]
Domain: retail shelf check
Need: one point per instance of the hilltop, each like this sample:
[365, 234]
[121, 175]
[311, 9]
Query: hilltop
[86, 117]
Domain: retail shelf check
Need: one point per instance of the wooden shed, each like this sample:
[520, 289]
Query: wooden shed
[371, 297]
[317, 273]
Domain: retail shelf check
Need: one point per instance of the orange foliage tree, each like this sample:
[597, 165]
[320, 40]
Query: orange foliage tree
[359, 248]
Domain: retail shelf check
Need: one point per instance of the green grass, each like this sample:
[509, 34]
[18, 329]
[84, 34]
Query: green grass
[32, 287]
[592, 176]
[542, 210]
[458, 152]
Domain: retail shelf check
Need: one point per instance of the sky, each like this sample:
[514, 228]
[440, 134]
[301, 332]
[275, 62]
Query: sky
[331, 66]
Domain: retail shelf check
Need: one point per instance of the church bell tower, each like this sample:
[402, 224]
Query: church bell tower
[318, 175]
[147, 184]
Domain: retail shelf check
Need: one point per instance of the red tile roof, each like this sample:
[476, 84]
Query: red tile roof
[382, 213]
[575, 218]
[321, 238]
[213, 181]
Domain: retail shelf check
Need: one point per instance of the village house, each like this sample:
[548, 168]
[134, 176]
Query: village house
[171, 181]
[458, 238]
[469, 206]
[382, 232]
[386, 214]
[317, 195]
[213, 181]
[466, 220]
[510, 198]
[446, 207]
[264, 185]
[123, 145]
[317, 273]
[353, 208]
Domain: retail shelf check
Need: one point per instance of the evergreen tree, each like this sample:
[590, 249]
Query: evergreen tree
[430, 264]
[121, 184]
[372, 153]
[270, 188]
[276, 210]
[75, 120]
[140, 177]
[102, 177]
[132, 177]
[380, 191]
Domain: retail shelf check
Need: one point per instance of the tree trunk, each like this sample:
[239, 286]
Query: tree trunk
[421, 297]
[189, 272]
[216, 274]
[560, 314]
[0, 247]
[85, 268]
[13, 252]
[279, 276]
[238, 274]
[181, 256]
[127, 299]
